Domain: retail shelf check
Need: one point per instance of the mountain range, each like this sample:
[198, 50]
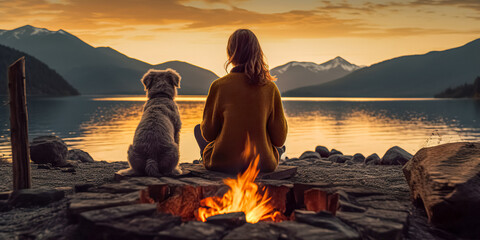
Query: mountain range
[407, 76]
[98, 70]
[300, 74]
[40, 79]
[103, 70]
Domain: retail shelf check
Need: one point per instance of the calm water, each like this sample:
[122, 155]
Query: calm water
[104, 126]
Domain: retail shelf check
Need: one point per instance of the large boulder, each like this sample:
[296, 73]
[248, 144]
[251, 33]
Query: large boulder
[323, 151]
[395, 156]
[373, 159]
[309, 155]
[48, 149]
[79, 155]
[446, 179]
[335, 151]
[358, 158]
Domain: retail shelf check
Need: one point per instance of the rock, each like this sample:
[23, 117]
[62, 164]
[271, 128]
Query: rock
[376, 224]
[317, 200]
[115, 213]
[349, 162]
[79, 155]
[257, 231]
[139, 227]
[279, 193]
[296, 230]
[358, 158]
[309, 155]
[228, 220]
[373, 159]
[346, 206]
[335, 151]
[126, 222]
[193, 230]
[48, 149]
[196, 162]
[395, 156]
[299, 190]
[446, 179]
[374, 215]
[131, 185]
[337, 158]
[34, 197]
[87, 201]
[323, 151]
[325, 220]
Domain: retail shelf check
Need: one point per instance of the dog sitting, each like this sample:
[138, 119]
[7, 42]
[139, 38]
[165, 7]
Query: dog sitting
[155, 148]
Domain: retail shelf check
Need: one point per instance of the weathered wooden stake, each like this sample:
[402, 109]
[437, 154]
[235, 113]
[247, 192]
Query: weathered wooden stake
[19, 125]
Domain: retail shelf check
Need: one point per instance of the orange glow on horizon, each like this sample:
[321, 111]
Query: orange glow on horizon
[363, 32]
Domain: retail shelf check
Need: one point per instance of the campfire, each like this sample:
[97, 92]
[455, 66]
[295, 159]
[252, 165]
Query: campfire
[196, 198]
[244, 195]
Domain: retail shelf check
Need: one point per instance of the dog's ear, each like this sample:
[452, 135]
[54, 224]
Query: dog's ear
[174, 77]
[147, 79]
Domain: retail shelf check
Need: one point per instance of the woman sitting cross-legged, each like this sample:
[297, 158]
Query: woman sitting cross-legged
[243, 104]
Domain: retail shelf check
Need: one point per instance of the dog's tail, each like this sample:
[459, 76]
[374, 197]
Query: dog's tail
[151, 168]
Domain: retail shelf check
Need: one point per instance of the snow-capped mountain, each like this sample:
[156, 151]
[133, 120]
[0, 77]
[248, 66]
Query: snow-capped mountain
[97, 70]
[28, 30]
[300, 74]
[406, 76]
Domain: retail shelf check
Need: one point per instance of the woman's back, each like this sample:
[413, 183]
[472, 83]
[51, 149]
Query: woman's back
[234, 109]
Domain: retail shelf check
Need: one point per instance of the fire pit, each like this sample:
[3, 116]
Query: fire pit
[169, 208]
[259, 201]
[208, 205]
[195, 198]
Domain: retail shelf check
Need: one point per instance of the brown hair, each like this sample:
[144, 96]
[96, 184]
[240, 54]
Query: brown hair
[244, 49]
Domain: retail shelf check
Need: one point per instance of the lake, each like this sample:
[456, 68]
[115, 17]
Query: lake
[104, 125]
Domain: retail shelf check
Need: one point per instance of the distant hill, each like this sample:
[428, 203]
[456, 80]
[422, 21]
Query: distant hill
[299, 74]
[40, 79]
[464, 91]
[407, 76]
[100, 70]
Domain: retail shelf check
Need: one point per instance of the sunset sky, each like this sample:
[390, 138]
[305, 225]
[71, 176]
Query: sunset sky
[155, 31]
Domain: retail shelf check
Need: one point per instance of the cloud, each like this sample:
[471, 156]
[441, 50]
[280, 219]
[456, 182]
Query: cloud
[470, 4]
[319, 22]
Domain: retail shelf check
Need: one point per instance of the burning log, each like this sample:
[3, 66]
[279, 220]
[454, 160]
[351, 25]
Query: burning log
[229, 220]
[244, 194]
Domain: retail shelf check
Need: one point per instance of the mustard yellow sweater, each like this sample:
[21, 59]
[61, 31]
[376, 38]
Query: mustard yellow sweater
[235, 108]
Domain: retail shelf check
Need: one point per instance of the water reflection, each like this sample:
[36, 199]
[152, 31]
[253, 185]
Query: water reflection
[104, 126]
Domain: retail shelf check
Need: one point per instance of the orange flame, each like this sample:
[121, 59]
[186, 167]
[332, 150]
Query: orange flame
[242, 196]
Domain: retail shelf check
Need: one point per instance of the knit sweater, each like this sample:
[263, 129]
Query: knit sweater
[234, 110]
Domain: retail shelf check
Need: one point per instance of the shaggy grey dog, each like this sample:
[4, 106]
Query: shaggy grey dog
[154, 151]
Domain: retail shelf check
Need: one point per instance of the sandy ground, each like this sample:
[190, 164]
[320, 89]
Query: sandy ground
[95, 173]
[385, 179]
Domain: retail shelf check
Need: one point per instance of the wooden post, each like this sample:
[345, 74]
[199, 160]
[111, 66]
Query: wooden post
[19, 125]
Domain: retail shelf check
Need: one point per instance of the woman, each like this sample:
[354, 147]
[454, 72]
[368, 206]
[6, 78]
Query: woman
[243, 104]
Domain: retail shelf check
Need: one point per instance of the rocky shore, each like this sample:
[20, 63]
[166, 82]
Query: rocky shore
[81, 199]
